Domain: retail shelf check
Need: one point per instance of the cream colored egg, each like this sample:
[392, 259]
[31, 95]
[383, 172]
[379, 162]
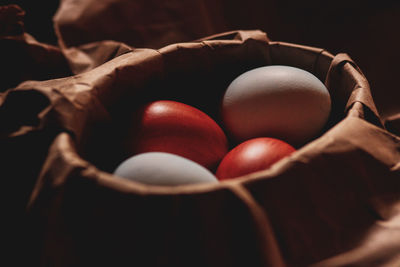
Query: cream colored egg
[284, 102]
[160, 168]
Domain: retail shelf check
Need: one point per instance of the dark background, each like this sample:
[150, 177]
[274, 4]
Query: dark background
[367, 30]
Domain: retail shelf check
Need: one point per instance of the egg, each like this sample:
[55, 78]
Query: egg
[252, 155]
[284, 102]
[177, 128]
[165, 169]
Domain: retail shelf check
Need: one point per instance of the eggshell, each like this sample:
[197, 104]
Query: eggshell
[160, 168]
[177, 128]
[252, 155]
[284, 102]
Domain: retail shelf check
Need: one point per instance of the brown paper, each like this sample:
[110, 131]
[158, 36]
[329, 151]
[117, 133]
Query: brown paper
[335, 202]
[151, 24]
[22, 57]
[392, 123]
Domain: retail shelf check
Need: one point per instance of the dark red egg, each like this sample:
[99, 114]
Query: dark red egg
[177, 128]
[252, 155]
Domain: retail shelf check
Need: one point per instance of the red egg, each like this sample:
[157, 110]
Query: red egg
[177, 128]
[252, 155]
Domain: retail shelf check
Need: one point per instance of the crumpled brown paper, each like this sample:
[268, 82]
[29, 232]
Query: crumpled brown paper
[392, 123]
[150, 24]
[335, 202]
[22, 56]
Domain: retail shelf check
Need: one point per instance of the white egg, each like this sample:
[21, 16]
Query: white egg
[160, 168]
[284, 102]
